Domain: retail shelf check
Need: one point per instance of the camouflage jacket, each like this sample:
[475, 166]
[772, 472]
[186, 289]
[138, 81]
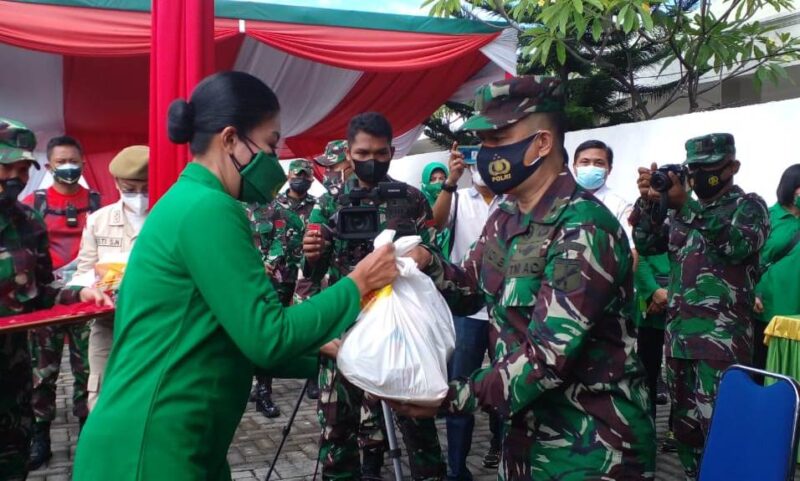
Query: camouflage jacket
[558, 284]
[410, 214]
[278, 230]
[26, 271]
[713, 250]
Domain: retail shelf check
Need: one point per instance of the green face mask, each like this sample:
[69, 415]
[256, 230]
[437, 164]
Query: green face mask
[261, 178]
[797, 201]
[433, 189]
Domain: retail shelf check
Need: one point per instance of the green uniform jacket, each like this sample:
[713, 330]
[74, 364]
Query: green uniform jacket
[779, 287]
[651, 274]
[195, 312]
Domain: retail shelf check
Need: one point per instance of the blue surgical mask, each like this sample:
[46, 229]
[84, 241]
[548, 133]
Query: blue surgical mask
[591, 177]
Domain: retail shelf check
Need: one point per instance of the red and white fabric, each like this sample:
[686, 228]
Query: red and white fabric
[82, 68]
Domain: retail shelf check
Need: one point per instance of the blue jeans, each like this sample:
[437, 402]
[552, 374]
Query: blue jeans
[472, 340]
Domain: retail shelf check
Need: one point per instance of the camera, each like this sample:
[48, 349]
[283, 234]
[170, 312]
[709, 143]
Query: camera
[660, 180]
[362, 222]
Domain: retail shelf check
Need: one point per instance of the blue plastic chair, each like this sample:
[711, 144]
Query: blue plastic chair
[753, 433]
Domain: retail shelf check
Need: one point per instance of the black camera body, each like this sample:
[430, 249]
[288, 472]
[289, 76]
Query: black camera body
[660, 180]
[358, 222]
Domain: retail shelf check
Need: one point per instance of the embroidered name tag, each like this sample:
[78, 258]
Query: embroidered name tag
[109, 242]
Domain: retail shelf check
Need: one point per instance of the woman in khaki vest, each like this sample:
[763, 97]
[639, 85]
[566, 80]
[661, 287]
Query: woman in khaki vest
[107, 239]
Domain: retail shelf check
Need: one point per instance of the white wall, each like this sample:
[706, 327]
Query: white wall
[766, 143]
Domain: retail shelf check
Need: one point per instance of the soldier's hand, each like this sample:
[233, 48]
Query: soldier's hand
[97, 296]
[313, 245]
[759, 306]
[676, 195]
[643, 183]
[413, 410]
[375, 271]
[269, 269]
[658, 303]
[457, 165]
[331, 349]
[421, 256]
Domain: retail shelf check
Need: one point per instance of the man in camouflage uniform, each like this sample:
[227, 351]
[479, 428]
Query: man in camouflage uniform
[278, 232]
[713, 246]
[26, 284]
[337, 170]
[554, 267]
[350, 420]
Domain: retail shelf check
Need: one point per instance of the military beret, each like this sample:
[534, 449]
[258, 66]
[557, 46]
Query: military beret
[16, 142]
[500, 104]
[334, 153]
[130, 163]
[709, 149]
[301, 165]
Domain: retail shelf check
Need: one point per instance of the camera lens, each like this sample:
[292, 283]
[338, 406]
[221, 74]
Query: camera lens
[660, 181]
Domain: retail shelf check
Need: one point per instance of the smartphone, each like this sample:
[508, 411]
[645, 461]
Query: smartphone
[470, 153]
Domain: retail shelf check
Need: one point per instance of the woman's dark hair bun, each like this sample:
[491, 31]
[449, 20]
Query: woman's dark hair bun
[180, 121]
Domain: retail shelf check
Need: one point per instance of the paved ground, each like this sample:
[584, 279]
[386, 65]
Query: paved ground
[258, 437]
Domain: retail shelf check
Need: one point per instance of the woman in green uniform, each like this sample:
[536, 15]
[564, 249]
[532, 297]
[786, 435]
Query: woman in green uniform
[779, 289]
[196, 310]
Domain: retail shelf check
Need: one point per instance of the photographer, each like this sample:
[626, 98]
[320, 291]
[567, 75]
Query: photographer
[330, 257]
[714, 244]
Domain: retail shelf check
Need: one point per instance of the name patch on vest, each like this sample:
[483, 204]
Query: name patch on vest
[109, 242]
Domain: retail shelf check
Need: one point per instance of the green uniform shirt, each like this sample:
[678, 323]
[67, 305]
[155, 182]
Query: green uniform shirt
[779, 287]
[278, 230]
[651, 274]
[558, 285]
[195, 312]
[714, 249]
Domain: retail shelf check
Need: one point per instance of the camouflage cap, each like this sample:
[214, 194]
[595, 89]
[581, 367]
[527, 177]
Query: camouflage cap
[502, 103]
[334, 153]
[301, 165]
[16, 142]
[709, 149]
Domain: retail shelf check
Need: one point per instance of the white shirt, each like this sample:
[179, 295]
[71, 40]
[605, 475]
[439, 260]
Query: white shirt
[473, 212]
[618, 206]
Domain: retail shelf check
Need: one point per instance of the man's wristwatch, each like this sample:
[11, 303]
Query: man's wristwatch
[449, 188]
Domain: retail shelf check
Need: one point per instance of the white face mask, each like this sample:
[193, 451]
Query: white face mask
[476, 176]
[136, 203]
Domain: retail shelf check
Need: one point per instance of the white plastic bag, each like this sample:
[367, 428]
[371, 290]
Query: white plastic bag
[399, 347]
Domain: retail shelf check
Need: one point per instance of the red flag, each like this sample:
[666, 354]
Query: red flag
[181, 54]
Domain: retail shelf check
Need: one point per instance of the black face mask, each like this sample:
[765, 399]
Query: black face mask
[300, 185]
[12, 188]
[708, 183]
[371, 171]
[503, 168]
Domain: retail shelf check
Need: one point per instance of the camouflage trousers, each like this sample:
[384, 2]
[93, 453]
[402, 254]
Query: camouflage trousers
[693, 387]
[351, 421]
[16, 417]
[47, 344]
[558, 443]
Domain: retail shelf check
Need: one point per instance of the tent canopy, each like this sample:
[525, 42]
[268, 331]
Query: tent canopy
[81, 67]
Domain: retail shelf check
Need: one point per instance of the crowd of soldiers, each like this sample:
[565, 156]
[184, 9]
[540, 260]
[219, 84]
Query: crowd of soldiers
[553, 266]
